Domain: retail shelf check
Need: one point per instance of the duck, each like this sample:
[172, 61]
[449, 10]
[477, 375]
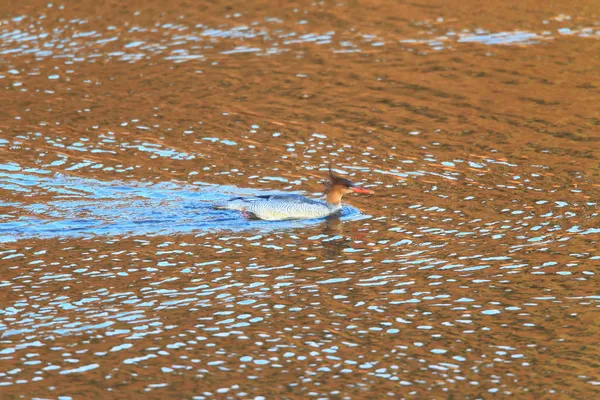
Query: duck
[281, 207]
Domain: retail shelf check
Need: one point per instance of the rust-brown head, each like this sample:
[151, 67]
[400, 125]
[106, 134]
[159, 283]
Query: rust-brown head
[337, 187]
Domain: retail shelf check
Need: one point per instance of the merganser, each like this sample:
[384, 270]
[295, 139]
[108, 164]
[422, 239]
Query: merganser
[280, 207]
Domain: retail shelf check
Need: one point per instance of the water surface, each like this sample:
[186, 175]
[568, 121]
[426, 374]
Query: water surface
[473, 271]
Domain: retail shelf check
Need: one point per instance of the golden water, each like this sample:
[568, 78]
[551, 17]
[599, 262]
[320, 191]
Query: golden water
[472, 273]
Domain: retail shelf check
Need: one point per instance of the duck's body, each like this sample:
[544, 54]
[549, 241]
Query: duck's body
[281, 207]
[292, 206]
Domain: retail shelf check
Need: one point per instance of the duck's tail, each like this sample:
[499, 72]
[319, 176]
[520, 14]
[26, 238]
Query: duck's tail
[232, 204]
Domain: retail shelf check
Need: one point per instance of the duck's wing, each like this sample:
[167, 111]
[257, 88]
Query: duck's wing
[271, 200]
[288, 198]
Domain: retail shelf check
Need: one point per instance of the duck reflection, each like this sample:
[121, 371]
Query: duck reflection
[335, 245]
[333, 225]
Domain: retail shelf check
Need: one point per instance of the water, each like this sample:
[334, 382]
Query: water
[473, 271]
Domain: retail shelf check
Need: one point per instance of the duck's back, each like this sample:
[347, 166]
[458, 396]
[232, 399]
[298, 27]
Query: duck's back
[280, 207]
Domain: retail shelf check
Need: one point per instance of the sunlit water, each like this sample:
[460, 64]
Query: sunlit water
[472, 272]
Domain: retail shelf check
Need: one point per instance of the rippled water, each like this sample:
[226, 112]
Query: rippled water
[89, 208]
[472, 273]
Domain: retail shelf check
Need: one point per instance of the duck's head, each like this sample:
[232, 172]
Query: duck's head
[337, 187]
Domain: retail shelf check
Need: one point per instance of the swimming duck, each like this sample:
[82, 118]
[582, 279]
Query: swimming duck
[278, 207]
